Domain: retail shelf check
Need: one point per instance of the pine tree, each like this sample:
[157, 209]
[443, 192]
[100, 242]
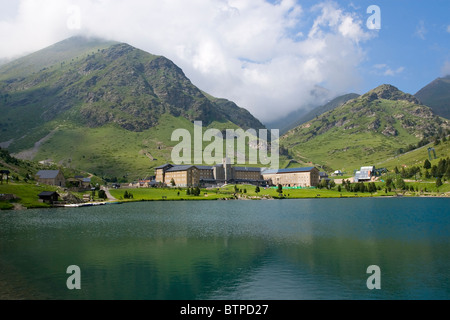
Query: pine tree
[434, 171]
[442, 166]
[427, 164]
[401, 184]
[438, 182]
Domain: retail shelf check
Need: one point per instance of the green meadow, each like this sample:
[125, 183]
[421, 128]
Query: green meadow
[249, 192]
[417, 157]
[27, 193]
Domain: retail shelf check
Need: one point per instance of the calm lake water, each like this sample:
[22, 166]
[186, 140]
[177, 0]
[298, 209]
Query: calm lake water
[237, 250]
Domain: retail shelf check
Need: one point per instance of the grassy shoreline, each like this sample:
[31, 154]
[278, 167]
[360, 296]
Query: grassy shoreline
[28, 199]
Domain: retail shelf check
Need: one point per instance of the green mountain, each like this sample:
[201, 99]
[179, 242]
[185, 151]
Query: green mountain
[61, 52]
[103, 107]
[296, 118]
[331, 105]
[364, 131]
[436, 95]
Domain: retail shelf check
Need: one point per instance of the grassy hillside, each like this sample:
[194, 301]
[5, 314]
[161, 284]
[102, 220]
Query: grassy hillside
[103, 107]
[417, 157]
[64, 52]
[111, 151]
[293, 120]
[364, 131]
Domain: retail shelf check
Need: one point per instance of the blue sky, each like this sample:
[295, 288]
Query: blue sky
[414, 39]
[265, 55]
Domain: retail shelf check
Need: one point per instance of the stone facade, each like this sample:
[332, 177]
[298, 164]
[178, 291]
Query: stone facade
[296, 177]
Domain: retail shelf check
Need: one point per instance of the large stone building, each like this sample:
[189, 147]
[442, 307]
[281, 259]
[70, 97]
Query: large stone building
[193, 175]
[294, 177]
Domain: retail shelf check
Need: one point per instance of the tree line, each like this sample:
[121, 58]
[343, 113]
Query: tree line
[427, 171]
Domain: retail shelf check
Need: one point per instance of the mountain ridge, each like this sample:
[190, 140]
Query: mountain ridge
[331, 105]
[120, 84]
[436, 95]
[91, 101]
[370, 128]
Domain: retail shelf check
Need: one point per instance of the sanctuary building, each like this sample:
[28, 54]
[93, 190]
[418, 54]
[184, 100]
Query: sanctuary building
[195, 175]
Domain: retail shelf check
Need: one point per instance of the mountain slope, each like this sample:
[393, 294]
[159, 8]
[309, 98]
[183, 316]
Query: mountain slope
[66, 51]
[436, 95]
[102, 88]
[333, 104]
[364, 131]
[120, 84]
[296, 118]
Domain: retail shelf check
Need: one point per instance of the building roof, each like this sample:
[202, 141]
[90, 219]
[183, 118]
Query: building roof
[247, 169]
[47, 174]
[290, 170]
[47, 194]
[87, 180]
[204, 167]
[164, 166]
[270, 171]
[180, 168]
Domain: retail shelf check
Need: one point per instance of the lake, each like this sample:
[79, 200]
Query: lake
[231, 250]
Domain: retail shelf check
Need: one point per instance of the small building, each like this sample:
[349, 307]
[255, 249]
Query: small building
[364, 174]
[323, 176]
[51, 177]
[79, 183]
[338, 173]
[8, 197]
[49, 197]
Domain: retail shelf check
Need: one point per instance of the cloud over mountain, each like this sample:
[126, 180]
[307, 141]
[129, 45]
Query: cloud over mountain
[264, 56]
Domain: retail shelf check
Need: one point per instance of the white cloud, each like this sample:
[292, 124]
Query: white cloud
[261, 55]
[421, 30]
[445, 71]
[385, 70]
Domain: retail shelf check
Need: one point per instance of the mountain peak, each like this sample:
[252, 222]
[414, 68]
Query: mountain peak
[60, 52]
[436, 95]
[389, 92]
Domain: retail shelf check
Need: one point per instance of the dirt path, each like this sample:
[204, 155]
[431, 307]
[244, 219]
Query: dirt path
[31, 153]
[108, 194]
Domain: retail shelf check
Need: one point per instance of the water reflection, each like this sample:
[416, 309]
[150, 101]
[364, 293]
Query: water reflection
[305, 249]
